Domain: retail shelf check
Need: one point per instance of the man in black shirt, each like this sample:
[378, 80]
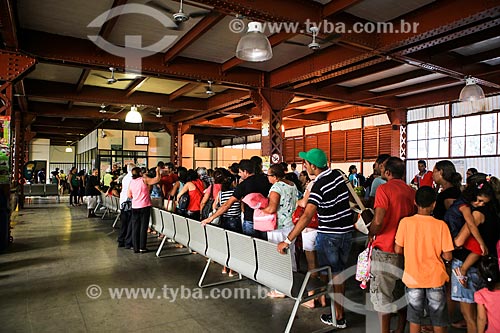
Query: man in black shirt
[252, 183]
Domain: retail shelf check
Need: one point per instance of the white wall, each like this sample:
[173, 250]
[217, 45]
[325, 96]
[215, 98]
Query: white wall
[40, 151]
[58, 155]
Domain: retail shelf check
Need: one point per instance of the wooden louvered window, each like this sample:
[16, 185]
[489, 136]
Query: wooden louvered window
[353, 144]
[337, 146]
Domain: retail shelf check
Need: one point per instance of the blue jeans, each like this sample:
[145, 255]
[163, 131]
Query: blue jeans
[232, 223]
[333, 250]
[250, 231]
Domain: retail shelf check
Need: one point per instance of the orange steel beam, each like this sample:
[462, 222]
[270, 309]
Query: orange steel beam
[65, 92]
[182, 90]
[136, 84]
[192, 35]
[79, 52]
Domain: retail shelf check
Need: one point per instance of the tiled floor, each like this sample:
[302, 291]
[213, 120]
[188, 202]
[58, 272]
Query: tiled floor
[58, 253]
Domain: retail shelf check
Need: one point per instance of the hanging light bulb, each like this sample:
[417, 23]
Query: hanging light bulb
[133, 116]
[472, 91]
[254, 45]
[69, 149]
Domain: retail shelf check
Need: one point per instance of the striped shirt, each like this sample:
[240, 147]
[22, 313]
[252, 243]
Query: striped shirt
[331, 197]
[235, 209]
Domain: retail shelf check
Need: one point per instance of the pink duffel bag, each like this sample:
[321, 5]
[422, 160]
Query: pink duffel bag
[261, 220]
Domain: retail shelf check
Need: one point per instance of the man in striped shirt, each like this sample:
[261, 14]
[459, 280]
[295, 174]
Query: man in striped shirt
[329, 197]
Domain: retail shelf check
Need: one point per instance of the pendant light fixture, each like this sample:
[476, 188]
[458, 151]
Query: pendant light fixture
[472, 91]
[69, 149]
[254, 45]
[133, 116]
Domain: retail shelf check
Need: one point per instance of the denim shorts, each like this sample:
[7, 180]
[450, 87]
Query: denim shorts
[333, 250]
[432, 299]
[386, 288]
[474, 283]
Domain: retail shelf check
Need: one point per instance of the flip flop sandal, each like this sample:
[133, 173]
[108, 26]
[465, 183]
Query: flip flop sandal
[462, 279]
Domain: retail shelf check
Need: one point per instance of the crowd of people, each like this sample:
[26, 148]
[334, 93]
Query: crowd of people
[434, 240]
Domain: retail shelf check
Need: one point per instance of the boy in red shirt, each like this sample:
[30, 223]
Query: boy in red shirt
[425, 242]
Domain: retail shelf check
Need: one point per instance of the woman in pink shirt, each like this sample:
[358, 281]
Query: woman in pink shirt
[138, 191]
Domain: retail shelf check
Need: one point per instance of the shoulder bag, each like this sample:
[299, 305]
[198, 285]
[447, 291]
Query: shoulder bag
[365, 216]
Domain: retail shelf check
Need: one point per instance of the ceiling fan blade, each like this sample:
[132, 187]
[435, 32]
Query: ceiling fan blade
[124, 79]
[101, 76]
[160, 6]
[198, 14]
[291, 42]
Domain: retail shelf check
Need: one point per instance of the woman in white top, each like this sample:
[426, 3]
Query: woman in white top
[282, 201]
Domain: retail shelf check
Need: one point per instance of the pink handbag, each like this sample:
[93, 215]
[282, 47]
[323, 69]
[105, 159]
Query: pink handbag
[363, 266]
[263, 221]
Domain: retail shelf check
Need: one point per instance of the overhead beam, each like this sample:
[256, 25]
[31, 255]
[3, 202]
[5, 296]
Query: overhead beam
[439, 19]
[65, 92]
[192, 35]
[357, 71]
[182, 90]
[313, 66]
[451, 44]
[79, 112]
[270, 11]
[81, 80]
[456, 14]
[392, 80]
[136, 84]
[80, 52]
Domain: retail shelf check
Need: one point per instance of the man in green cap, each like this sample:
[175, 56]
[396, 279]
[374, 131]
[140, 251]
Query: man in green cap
[329, 197]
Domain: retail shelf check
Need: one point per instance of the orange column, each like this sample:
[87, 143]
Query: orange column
[271, 103]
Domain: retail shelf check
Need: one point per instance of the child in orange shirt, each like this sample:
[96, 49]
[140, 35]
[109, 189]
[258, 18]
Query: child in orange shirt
[425, 242]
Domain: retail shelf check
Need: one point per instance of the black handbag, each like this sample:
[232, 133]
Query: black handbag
[184, 202]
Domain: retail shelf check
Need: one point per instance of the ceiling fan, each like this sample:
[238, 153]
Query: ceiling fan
[179, 16]
[316, 42]
[103, 108]
[112, 79]
[208, 89]
[158, 115]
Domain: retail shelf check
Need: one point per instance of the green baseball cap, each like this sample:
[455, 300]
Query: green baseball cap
[315, 156]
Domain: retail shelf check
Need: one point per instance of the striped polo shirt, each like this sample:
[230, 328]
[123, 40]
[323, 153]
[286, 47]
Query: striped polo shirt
[235, 209]
[331, 197]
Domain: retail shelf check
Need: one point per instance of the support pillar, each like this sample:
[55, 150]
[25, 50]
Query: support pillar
[398, 137]
[176, 130]
[271, 103]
